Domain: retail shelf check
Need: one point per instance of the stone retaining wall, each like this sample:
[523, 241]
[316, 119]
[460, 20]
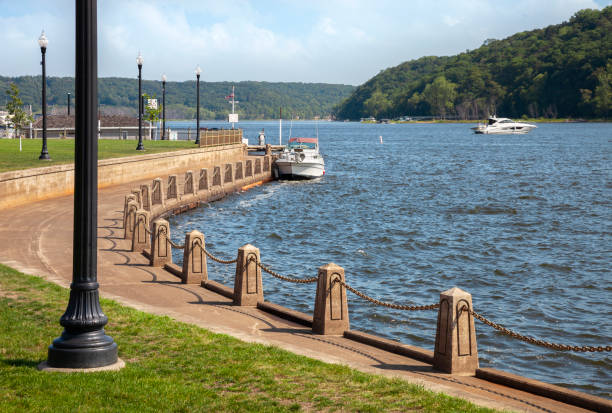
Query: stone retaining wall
[21, 187]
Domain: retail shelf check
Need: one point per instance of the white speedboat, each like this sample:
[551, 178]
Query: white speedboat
[503, 126]
[300, 160]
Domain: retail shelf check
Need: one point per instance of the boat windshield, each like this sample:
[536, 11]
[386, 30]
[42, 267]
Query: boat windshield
[302, 145]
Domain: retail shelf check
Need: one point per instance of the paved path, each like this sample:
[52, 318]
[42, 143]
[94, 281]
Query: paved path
[37, 239]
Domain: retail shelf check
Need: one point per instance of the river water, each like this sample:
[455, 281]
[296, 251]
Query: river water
[523, 223]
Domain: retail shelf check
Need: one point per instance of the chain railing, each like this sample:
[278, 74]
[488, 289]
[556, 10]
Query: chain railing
[537, 342]
[282, 277]
[385, 304]
[219, 260]
[175, 245]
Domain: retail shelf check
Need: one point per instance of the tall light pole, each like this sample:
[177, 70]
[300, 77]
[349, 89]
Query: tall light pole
[163, 107]
[83, 343]
[43, 42]
[68, 98]
[139, 61]
[198, 71]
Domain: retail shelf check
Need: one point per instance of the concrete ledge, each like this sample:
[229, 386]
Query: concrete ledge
[174, 269]
[285, 313]
[551, 391]
[218, 288]
[391, 346]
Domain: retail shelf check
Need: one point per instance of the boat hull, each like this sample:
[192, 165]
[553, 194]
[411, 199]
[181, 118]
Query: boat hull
[299, 170]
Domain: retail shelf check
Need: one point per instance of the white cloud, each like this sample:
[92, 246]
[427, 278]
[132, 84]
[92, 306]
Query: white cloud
[339, 41]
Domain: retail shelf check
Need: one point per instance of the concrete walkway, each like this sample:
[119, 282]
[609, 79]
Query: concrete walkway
[37, 239]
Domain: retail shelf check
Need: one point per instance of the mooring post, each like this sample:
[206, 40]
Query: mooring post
[331, 308]
[128, 198]
[161, 253]
[158, 196]
[194, 259]
[141, 239]
[455, 349]
[172, 188]
[145, 194]
[130, 220]
[248, 288]
[136, 193]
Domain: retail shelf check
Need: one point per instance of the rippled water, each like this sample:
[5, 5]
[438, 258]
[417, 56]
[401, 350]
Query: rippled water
[523, 223]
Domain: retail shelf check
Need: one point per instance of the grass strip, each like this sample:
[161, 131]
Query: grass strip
[179, 367]
[61, 151]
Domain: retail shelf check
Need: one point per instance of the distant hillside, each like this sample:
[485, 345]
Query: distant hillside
[563, 70]
[258, 100]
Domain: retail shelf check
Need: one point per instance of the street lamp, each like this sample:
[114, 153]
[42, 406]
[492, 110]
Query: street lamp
[68, 96]
[83, 343]
[43, 42]
[163, 107]
[139, 61]
[198, 71]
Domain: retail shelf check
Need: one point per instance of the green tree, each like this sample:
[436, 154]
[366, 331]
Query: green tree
[151, 113]
[19, 117]
[602, 97]
[440, 94]
[377, 104]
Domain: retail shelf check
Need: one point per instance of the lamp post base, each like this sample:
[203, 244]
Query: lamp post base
[140, 147]
[82, 350]
[44, 156]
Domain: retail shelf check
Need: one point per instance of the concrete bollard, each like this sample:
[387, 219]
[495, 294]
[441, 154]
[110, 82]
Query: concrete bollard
[157, 193]
[331, 308]
[161, 253]
[248, 288]
[194, 259]
[189, 190]
[136, 193]
[257, 166]
[141, 239]
[128, 198]
[145, 195]
[203, 181]
[172, 188]
[130, 220]
[455, 349]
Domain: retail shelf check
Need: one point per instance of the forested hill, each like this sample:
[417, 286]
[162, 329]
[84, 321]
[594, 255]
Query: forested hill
[258, 100]
[563, 70]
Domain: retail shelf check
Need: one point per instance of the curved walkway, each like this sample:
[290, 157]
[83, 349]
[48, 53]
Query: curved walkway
[37, 239]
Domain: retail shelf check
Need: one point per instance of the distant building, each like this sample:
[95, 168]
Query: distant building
[110, 127]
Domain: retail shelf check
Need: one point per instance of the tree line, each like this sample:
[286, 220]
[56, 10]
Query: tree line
[258, 100]
[562, 70]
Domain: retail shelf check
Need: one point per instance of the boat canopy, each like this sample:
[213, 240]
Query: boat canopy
[305, 143]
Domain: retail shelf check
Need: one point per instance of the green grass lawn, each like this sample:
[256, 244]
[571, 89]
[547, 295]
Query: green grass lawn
[174, 366]
[61, 151]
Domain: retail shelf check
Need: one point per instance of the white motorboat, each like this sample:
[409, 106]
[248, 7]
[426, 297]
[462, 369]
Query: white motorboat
[300, 160]
[503, 126]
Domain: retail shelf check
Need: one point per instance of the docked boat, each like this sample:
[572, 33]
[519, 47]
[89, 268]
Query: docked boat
[300, 160]
[503, 126]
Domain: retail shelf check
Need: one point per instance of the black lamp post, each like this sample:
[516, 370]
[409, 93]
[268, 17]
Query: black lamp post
[139, 61]
[198, 71]
[68, 98]
[83, 343]
[42, 42]
[163, 107]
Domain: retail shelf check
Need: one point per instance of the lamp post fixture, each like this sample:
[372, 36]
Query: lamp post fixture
[163, 107]
[139, 61]
[83, 343]
[198, 71]
[68, 96]
[43, 42]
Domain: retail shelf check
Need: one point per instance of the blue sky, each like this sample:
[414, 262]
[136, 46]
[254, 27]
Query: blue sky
[329, 41]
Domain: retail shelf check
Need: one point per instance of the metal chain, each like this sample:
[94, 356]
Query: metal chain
[219, 260]
[554, 346]
[384, 304]
[141, 219]
[282, 277]
[175, 245]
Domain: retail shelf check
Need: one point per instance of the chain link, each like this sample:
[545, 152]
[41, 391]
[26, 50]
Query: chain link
[219, 260]
[384, 304]
[175, 245]
[282, 277]
[542, 343]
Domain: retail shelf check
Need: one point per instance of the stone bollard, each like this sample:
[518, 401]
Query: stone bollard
[161, 253]
[203, 181]
[145, 194]
[455, 349]
[130, 220]
[248, 288]
[172, 188]
[194, 259]
[141, 239]
[157, 193]
[128, 198]
[331, 308]
[136, 193]
[189, 190]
